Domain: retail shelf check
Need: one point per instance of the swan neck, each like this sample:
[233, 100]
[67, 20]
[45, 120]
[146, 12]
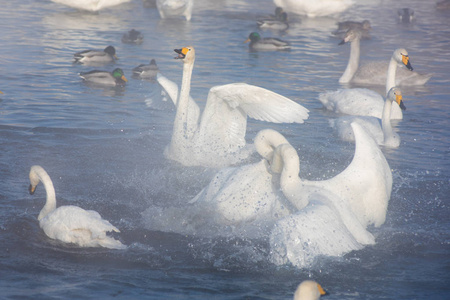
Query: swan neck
[353, 62]
[391, 72]
[50, 203]
[180, 123]
[386, 120]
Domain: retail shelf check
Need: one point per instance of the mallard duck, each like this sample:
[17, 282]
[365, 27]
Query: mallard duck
[279, 24]
[105, 78]
[146, 71]
[132, 37]
[96, 56]
[258, 43]
[364, 27]
[405, 15]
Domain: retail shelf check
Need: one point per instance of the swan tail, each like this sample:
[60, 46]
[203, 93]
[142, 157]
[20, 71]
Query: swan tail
[111, 243]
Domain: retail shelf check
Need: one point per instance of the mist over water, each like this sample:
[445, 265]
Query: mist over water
[103, 149]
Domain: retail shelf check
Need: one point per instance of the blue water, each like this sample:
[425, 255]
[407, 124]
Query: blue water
[103, 149]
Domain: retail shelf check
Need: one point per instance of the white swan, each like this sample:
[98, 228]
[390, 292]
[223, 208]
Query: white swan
[359, 101]
[309, 290]
[247, 193]
[365, 185]
[314, 8]
[71, 224]
[379, 73]
[217, 138]
[90, 5]
[381, 132]
[174, 8]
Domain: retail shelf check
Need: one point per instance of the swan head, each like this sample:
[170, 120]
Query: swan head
[266, 141]
[395, 94]
[351, 35]
[309, 289]
[186, 54]
[401, 57]
[34, 179]
[253, 37]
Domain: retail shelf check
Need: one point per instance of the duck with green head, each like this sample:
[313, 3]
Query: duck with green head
[266, 44]
[114, 78]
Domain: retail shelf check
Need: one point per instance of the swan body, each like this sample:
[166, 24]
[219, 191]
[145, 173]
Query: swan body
[114, 78]
[309, 290]
[266, 44]
[71, 224]
[379, 73]
[314, 8]
[90, 5]
[382, 132]
[280, 24]
[146, 71]
[358, 102]
[132, 37]
[175, 8]
[217, 138]
[96, 56]
[247, 193]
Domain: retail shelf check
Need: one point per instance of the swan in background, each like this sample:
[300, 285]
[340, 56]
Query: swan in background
[71, 224]
[379, 73]
[266, 44]
[314, 8]
[247, 193]
[382, 132]
[218, 136]
[280, 24]
[309, 290]
[114, 78]
[362, 101]
[365, 185]
[175, 8]
[90, 5]
[96, 56]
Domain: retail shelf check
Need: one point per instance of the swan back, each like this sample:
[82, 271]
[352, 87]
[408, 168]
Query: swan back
[309, 290]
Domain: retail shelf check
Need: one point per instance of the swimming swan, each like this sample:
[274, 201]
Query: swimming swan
[174, 8]
[314, 8]
[90, 5]
[71, 224]
[249, 192]
[379, 73]
[217, 137]
[365, 185]
[309, 290]
[361, 101]
[381, 132]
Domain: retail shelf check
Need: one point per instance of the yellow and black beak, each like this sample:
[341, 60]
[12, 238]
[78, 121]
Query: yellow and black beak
[405, 60]
[31, 189]
[181, 52]
[398, 99]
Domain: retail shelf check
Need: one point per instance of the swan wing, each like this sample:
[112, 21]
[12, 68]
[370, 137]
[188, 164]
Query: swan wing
[72, 224]
[172, 89]
[224, 119]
